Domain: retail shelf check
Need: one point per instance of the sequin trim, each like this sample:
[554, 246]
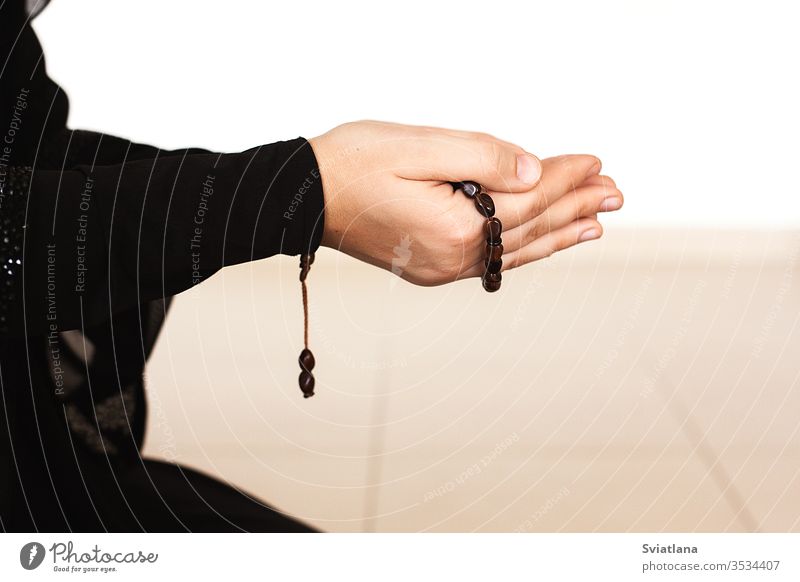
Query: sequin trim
[14, 188]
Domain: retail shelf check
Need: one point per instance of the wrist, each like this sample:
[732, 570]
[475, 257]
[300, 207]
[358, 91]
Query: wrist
[332, 231]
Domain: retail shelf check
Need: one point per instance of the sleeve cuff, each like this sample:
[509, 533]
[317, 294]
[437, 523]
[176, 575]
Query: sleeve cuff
[293, 203]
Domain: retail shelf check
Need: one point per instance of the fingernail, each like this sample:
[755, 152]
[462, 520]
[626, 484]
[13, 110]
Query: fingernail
[611, 203]
[528, 168]
[589, 234]
[594, 170]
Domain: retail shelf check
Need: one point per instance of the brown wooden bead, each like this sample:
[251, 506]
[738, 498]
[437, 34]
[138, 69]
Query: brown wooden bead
[470, 189]
[493, 229]
[494, 252]
[491, 285]
[493, 266]
[484, 204]
[306, 360]
[306, 381]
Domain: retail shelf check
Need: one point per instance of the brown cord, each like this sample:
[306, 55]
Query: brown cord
[491, 277]
[305, 313]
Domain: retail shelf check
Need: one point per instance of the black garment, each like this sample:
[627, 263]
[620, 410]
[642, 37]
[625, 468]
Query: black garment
[96, 234]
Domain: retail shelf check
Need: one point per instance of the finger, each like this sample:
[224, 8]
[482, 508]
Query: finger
[436, 155]
[560, 176]
[582, 230]
[471, 135]
[585, 202]
[599, 179]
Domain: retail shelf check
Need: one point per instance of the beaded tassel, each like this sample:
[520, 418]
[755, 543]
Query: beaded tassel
[306, 359]
[491, 277]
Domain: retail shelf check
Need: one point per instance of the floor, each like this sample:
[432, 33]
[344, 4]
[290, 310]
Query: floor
[646, 382]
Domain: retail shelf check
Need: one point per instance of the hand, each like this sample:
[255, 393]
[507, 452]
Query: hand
[386, 188]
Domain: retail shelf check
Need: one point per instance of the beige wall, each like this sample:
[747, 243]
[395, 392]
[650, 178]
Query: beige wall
[647, 382]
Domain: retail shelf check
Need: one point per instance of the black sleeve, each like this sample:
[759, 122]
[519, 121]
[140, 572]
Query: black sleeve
[81, 243]
[101, 224]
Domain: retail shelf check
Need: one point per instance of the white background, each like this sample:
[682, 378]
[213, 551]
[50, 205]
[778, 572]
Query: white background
[693, 106]
[609, 355]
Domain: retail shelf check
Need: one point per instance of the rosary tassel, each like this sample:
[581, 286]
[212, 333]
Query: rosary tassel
[306, 359]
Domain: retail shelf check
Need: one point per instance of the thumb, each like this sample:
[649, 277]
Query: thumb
[497, 165]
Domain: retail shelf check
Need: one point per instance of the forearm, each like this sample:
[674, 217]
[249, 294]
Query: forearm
[102, 238]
